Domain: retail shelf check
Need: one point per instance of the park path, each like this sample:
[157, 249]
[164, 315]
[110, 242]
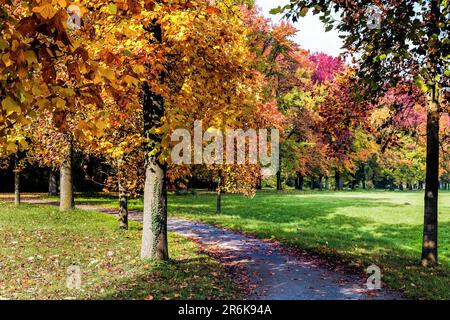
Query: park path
[266, 270]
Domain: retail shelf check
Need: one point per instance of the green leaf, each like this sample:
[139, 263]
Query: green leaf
[275, 10]
[419, 82]
[112, 8]
[21, 95]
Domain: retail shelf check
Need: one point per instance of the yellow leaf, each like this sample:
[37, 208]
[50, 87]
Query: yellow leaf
[23, 144]
[31, 58]
[131, 80]
[3, 44]
[6, 60]
[10, 106]
[59, 103]
[62, 3]
[40, 90]
[138, 68]
[107, 73]
[11, 147]
[47, 11]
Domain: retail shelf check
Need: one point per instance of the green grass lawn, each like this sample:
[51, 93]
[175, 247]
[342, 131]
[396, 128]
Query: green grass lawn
[38, 244]
[354, 228]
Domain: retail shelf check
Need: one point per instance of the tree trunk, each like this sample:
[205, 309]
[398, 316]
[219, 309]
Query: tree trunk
[320, 183]
[363, 168]
[391, 185]
[123, 208]
[430, 227]
[66, 181]
[301, 181]
[154, 231]
[296, 181]
[259, 184]
[338, 179]
[327, 183]
[16, 183]
[52, 184]
[219, 194]
[279, 186]
[210, 184]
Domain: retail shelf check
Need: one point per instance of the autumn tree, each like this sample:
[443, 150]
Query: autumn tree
[281, 61]
[411, 41]
[49, 73]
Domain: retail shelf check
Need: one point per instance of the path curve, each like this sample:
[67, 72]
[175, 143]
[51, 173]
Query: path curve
[270, 271]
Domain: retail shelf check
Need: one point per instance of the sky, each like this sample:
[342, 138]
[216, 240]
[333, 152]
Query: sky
[311, 35]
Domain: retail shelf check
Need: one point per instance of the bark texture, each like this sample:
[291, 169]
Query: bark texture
[66, 181]
[154, 232]
[279, 186]
[16, 186]
[123, 209]
[430, 226]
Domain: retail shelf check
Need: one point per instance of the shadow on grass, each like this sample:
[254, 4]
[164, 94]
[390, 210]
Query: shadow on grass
[174, 279]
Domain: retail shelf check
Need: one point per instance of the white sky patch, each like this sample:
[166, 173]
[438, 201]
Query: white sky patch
[311, 35]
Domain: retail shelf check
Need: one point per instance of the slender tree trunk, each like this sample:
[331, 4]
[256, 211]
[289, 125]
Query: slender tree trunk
[327, 183]
[279, 186]
[363, 168]
[320, 183]
[296, 181]
[16, 182]
[430, 227]
[123, 208]
[66, 180]
[259, 184]
[52, 184]
[210, 184]
[338, 178]
[219, 194]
